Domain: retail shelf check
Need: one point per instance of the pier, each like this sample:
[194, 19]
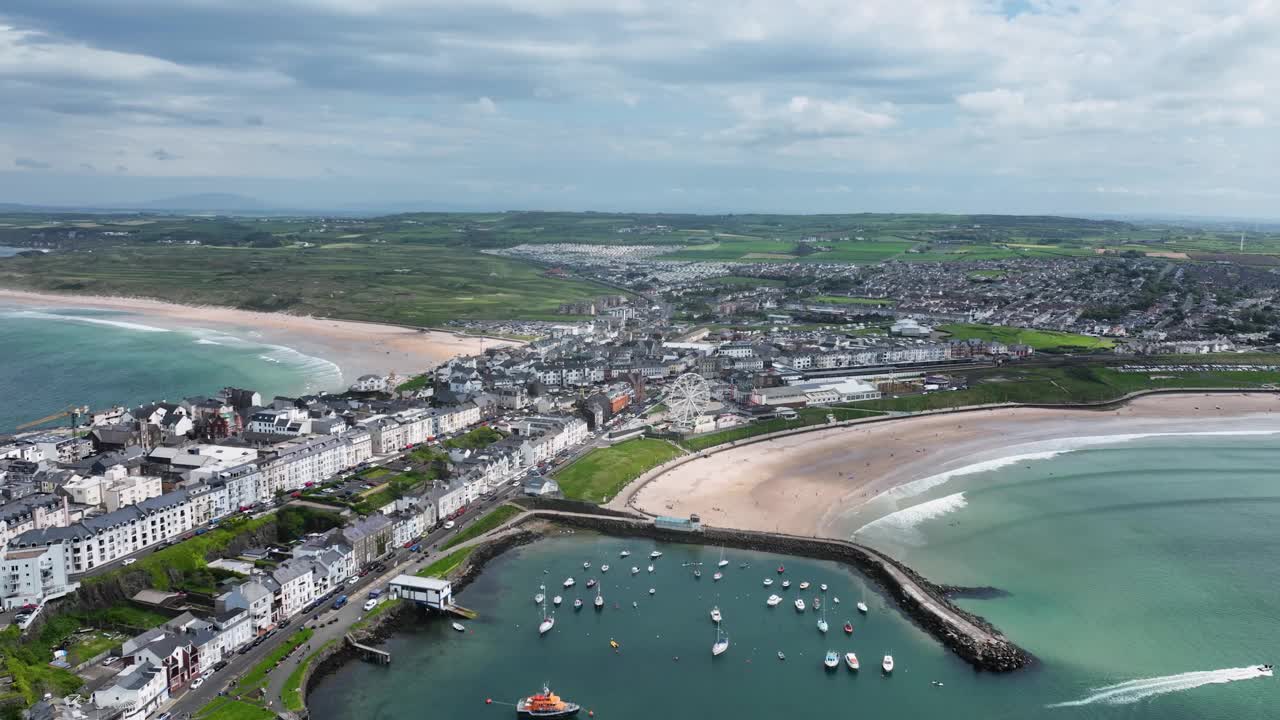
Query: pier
[382, 657]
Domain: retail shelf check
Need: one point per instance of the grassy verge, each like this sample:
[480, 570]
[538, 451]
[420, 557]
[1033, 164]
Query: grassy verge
[600, 474]
[291, 695]
[493, 519]
[224, 708]
[254, 679]
[1040, 340]
[805, 417]
[447, 564]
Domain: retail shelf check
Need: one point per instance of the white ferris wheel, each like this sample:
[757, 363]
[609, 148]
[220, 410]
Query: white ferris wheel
[687, 397]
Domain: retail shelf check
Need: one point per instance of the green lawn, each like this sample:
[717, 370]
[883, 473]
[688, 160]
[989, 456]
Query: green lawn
[493, 519]
[600, 474]
[254, 679]
[291, 695]
[806, 417]
[447, 564]
[739, 281]
[1040, 340]
[475, 439]
[188, 556]
[225, 708]
[845, 300]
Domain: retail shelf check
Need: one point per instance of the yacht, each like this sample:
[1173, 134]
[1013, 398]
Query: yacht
[717, 576]
[786, 584]
[548, 621]
[851, 659]
[569, 582]
[887, 664]
[599, 601]
[862, 607]
[721, 644]
[831, 661]
[577, 603]
[715, 614]
[835, 599]
[557, 600]
[652, 590]
[624, 553]
[634, 570]
[822, 587]
[655, 555]
[697, 573]
[537, 599]
[459, 627]
[822, 625]
[768, 582]
[782, 655]
[604, 568]
[586, 566]
[591, 583]
[651, 568]
[804, 584]
[722, 562]
[773, 600]
[799, 604]
[817, 602]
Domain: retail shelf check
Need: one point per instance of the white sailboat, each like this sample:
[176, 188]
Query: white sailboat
[548, 620]
[624, 553]
[721, 644]
[459, 627]
[599, 599]
[655, 555]
[722, 562]
[822, 621]
[862, 604]
[634, 570]
[715, 614]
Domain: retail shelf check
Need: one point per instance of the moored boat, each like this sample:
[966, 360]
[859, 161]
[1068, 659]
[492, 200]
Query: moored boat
[577, 603]
[651, 568]
[817, 602]
[831, 661]
[848, 628]
[625, 553]
[546, 704]
[851, 659]
[799, 603]
[822, 625]
[604, 568]
[781, 569]
[545, 626]
[591, 583]
[537, 599]
[721, 644]
[569, 582]
[804, 584]
[887, 663]
[862, 608]
[652, 590]
[768, 582]
[634, 570]
[717, 576]
[599, 601]
[655, 555]
[557, 600]
[586, 566]
[697, 573]
[773, 600]
[722, 562]
[715, 614]
[782, 655]
[459, 627]
[786, 584]
[823, 587]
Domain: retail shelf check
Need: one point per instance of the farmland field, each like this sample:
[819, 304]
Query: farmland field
[1040, 340]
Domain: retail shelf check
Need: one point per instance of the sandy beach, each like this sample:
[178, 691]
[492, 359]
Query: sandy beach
[811, 483]
[357, 348]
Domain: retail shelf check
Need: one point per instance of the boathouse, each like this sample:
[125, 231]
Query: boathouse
[431, 592]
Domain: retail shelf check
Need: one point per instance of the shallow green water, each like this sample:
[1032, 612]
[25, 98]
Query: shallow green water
[1146, 560]
[54, 357]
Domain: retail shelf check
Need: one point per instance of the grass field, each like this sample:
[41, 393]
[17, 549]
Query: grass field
[805, 417]
[1040, 340]
[493, 519]
[187, 557]
[257, 675]
[845, 300]
[409, 284]
[225, 708]
[600, 474]
[447, 564]
[726, 248]
[736, 281]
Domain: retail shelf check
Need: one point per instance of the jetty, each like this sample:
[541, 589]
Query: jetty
[368, 652]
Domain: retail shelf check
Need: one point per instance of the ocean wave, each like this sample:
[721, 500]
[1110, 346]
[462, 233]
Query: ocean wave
[900, 527]
[1135, 690]
[1043, 450]
[41, 315]
[206, 341]
[321, 374]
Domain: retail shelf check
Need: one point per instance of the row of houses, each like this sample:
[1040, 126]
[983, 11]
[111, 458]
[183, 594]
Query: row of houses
[396, 431]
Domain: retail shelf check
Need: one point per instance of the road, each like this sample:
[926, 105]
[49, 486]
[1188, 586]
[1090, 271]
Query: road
[331, 623]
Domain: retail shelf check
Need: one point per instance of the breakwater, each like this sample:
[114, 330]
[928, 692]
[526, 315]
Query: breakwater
[969, 636]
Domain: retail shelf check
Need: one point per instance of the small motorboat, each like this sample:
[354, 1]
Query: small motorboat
[537, 599]
[851, 659]
[822, 587]
[697, 573]
[604, 568]
[781, 655]
[862, 607]
[817, 603]
[557, 600]
[634, 570]
[650, 568]
[577, 603]
[773, 600]
[887, 663]
[591, 583]
[768, 582]
[835, 599]
[569, 582]
[799, 604]
[786, 584]
[722, 563]
[652, 590]
[822, 625]
[848, 628]
[717, 576]
[625, 553]
[459, 627]
[655, 555]
[804, 584]
[635, 604]
[781, 569]
[586, 566]
[715, 614]
[613, 644]
[831, 661]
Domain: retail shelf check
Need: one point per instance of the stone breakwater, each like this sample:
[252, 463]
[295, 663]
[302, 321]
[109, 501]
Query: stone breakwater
[969, 636]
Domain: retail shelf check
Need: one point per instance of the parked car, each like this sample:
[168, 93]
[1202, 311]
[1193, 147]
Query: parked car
[219, 665]
[342, 600]
[197, 683]
[112, 660]
[353, 580]
[129, 561]
[448, 525]
[370, 604]
[163, 716]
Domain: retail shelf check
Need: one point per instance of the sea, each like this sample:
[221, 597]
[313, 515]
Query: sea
[55, 357]
[1142, 575]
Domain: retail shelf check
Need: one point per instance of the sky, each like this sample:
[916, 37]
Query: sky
[1011, 106]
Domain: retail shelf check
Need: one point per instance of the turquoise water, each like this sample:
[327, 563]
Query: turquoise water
[1127, 567]
[53, 358]
[6, 251]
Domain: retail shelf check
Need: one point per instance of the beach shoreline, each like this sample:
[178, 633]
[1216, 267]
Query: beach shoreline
[356, 348]
[815, 483]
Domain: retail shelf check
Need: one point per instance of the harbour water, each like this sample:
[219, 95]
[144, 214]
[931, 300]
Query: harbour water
[1142, 576]
[56, 357]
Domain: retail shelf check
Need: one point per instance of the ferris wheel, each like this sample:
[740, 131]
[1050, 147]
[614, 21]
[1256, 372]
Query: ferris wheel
[687, 397]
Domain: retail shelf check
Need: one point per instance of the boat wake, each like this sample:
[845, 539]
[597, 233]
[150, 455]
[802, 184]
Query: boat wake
[900, 527]
[1135, 690]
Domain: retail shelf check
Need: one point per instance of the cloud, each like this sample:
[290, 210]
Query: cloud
[254, 120]
[486, 106]
[801, 118]
[31, 163]
[162, 154]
